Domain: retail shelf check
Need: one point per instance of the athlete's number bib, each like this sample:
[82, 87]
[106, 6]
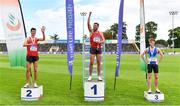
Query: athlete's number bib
[33, 48]
[152, 59]
[96, 39]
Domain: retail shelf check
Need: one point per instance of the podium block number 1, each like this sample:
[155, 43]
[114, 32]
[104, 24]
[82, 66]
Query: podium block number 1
[95, 89]
[29, 93]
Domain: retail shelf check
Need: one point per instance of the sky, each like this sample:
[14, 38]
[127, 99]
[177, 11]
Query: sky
[51, 13]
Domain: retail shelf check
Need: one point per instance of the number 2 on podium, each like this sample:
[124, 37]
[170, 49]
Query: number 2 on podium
[95, 89]
[29, 93]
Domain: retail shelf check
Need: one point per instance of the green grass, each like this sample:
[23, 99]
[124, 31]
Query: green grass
[53, 75]
[171, 50]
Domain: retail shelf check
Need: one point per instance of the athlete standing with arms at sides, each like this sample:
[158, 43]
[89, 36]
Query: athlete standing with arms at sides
[32, 54]
[96, 41]
[152, 63]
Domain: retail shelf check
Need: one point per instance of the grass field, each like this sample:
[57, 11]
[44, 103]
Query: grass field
[171, 50]
[53, 75]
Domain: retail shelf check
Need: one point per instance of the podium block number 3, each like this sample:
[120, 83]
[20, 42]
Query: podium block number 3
[156, 97]
[29, 93]
[95, 89]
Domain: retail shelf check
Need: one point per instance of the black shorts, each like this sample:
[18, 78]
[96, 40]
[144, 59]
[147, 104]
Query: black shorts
[32, 59]
[153, 67]
[95, 50]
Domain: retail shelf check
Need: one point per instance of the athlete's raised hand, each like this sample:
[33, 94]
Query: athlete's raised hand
[90, 13]
[43, 29]
[88, 23]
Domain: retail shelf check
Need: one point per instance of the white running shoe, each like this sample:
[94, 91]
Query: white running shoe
[26, 85]
[99, 78]
[90, 78]
[158, 91]
[35, 85]
[149, 91]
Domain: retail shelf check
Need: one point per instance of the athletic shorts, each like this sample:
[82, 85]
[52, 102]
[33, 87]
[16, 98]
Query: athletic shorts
[95, 50]
[152, 67]
[32, 59]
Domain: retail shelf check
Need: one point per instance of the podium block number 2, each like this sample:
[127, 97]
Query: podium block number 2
[95, 89]
[29, 93]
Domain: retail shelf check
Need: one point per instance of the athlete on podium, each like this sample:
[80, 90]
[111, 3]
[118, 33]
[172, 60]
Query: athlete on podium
[96, 41]
[32, 54]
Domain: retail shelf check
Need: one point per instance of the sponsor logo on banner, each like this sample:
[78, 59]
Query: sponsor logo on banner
[14, 23]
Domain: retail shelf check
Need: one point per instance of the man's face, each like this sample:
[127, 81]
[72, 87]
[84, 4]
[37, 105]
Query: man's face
[95, 27]
[33, 32]
[151, 43]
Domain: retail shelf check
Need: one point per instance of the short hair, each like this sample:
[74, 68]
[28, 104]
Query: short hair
[96, 23]
[33, 29]
[151, 39]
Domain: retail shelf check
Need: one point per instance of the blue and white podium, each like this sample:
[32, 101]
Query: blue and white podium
[31, 94]
[93, 90]
[154, 97]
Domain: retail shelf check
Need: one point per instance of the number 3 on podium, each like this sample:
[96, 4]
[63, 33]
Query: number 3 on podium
[156, 97]
[95, 89]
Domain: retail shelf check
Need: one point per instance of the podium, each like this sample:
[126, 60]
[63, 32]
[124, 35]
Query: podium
[154, 97]
[31, 94]
[94, 91]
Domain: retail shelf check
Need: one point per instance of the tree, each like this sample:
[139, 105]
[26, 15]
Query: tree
[162, 42]
[176, 37]
[108, 34]
[54, 37]
[113, 31]
[150, 32]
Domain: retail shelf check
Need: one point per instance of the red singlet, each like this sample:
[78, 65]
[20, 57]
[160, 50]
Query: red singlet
[94, 38]
[32, 50]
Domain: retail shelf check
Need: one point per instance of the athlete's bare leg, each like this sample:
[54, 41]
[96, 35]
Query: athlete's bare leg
[98, 58]
[91, 64]
[156, 80]
[149, 80]
[28, 66]
[35, 71]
